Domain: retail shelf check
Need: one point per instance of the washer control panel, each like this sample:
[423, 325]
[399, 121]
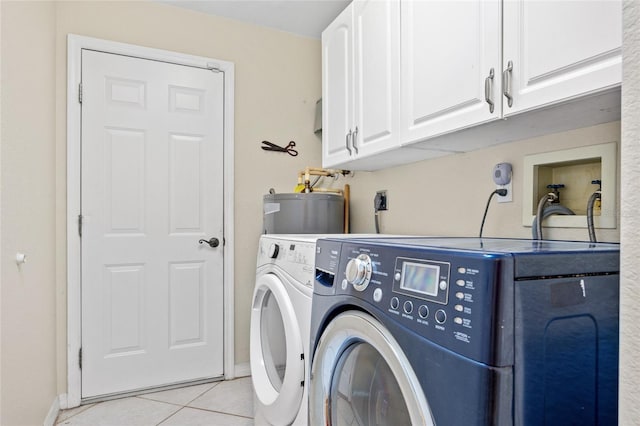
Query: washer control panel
[446, 297]
[296, 257]
[358, 272]
[424, 279]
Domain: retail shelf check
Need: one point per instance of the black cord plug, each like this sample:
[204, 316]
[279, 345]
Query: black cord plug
[377, 202]
[501, 192]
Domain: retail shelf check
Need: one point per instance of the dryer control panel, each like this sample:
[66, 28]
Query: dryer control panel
[449, 299]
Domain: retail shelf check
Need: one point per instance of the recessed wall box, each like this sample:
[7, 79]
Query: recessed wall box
[575, 168]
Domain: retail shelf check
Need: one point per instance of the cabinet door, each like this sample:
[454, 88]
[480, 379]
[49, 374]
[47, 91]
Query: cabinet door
[337, 89]
[377, 75]
[560, 50]
[449, 49]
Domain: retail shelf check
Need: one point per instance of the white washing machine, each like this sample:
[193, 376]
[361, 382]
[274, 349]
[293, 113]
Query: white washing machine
[280, 323]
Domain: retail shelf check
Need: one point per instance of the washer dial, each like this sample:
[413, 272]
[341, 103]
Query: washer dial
[358, 272]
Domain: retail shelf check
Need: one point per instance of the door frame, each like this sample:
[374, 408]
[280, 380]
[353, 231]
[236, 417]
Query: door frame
[75, 45]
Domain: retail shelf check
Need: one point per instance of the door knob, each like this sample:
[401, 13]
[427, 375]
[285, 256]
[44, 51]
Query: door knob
[213, 242]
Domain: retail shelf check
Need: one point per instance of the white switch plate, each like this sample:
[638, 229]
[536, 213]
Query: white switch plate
[507, 198]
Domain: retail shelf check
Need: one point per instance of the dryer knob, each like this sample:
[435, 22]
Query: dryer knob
[273, 250]
[358, 272]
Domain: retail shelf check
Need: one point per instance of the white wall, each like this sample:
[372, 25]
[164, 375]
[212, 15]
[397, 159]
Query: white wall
[27, 349]
[629, 288]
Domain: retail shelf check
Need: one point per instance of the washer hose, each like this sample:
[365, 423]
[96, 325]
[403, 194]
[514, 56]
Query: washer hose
[592, 201]
[538, 223]
[543, 212]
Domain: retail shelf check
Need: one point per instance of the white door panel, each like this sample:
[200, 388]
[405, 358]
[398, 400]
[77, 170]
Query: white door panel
[337, 89]
[449, 49]
[561, 49]
[377, 75]
[152, 135]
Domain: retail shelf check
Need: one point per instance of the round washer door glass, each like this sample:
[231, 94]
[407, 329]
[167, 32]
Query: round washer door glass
[274, 347]
[365, 390]
[361, 376]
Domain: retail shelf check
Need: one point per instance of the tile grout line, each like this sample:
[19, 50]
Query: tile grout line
[219, 412]
[171, 415]
[149, 398]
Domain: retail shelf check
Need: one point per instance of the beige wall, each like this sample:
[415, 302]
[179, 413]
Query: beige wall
[28, 169]
[277, 82]
[630, 275]
[447, 196]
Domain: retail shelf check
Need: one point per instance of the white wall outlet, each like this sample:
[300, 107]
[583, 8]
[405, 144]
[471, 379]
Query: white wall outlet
[507, 198]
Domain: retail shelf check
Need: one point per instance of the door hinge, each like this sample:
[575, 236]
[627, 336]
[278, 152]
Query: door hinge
[80, 358]
[80, 225]
[80, 93]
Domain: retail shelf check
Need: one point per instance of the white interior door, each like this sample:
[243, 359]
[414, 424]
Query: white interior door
[152, 187]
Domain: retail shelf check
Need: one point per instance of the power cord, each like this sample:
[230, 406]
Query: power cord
[501, 192]
[378, 202]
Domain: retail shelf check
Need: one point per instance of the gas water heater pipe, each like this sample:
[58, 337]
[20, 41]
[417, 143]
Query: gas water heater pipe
[304, 178]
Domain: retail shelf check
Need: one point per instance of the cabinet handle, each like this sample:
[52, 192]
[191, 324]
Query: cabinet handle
[488, 90]
[354, 139]
[506, 81]
[347, 142]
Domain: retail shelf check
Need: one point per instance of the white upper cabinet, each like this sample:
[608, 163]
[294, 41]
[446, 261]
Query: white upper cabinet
[405, 80]
[451, 66]
[361, 64]
[337, 89]
[559, 50]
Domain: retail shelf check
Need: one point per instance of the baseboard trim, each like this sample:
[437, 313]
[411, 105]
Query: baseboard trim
[52, 415]
[242, 370]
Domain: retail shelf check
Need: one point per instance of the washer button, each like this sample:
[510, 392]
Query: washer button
[395, 303]
[460, 283]
[377, 295]
[459, 308]
[460, 295]
[441, 316]
[462, 270]
[408, 306]
[345, 284]
[458, 320]
[423, 311]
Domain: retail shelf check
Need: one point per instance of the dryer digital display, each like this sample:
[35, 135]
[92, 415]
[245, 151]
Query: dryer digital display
[423, 279]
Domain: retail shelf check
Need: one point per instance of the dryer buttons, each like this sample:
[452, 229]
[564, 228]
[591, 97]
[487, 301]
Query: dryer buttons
[408, 307]
[441, 316]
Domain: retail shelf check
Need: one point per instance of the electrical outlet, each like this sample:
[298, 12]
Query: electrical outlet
[381, 200]
[507, 198]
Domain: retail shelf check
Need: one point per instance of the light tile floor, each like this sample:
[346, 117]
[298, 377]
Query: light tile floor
[227, 403]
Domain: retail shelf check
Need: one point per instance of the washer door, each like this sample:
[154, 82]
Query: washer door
[277, 364]
[360, 376]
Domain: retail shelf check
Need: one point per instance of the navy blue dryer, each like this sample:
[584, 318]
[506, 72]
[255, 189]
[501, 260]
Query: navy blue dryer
[464, 331]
